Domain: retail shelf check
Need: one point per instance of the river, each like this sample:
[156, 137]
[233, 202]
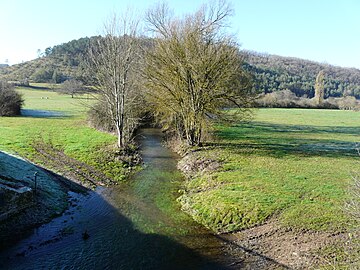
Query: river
[136, 225]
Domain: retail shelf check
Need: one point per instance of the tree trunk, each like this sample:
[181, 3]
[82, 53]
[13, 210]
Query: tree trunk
[119, 136]
[193, 134]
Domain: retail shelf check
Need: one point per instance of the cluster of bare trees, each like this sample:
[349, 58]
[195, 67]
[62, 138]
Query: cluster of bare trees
[190, 73]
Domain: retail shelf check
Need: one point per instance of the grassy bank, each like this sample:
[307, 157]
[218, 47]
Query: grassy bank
[65, 129]
[294, 165]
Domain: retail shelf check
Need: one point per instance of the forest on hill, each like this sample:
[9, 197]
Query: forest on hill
[55, 65]
[271, 73]
[276, 73]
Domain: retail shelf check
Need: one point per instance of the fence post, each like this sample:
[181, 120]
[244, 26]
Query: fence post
[35, 180]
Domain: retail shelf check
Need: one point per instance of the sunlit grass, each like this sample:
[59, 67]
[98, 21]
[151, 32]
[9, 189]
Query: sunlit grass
[68, 131]
[291, 164]
[53, 101]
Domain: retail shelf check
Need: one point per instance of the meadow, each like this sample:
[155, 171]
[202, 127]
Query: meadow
[293, 165]
[58, 121]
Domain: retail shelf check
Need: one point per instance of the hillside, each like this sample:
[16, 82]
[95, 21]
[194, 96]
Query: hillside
[271, 72]
[276, 73]
[57, 64]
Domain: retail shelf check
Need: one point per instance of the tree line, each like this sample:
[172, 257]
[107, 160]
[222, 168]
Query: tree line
[190, 73]
[184, 75]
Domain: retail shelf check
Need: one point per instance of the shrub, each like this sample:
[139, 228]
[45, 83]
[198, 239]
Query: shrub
[287, 99]
[283, 99]
[348, 103]
[10, 100]
[99, 117]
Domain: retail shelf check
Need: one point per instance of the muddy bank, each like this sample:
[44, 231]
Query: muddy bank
[293, 249]
[19, 218]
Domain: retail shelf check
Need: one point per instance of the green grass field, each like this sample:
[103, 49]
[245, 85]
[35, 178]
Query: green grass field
[291, 164]
[67, 130]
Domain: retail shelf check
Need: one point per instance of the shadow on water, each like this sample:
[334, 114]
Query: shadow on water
[111, 219]
[114, 243]
[24, 204]
[136, 225]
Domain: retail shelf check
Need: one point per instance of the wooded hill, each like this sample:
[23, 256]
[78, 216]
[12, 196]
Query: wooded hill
[56, 64]
[271, 72]
[275, 73]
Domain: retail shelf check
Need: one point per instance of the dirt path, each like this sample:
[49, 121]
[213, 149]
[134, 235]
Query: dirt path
[71, 168]
[290, 249]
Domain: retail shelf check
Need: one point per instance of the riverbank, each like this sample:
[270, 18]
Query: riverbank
[283, 176]
[144, 210]
[55, 130]
[51, 133]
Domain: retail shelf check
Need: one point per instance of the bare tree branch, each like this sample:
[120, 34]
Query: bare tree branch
[114, 60]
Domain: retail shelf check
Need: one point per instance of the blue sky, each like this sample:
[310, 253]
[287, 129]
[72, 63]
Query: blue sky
[320, 30]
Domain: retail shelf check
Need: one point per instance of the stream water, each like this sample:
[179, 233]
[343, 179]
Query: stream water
[137, 225]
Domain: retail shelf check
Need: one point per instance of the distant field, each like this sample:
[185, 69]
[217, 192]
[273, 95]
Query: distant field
[50, 100]
[291, 164]
[66, 130]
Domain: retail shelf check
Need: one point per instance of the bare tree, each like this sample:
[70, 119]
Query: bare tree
[194, 70]
[114, 59]
[72, 87]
